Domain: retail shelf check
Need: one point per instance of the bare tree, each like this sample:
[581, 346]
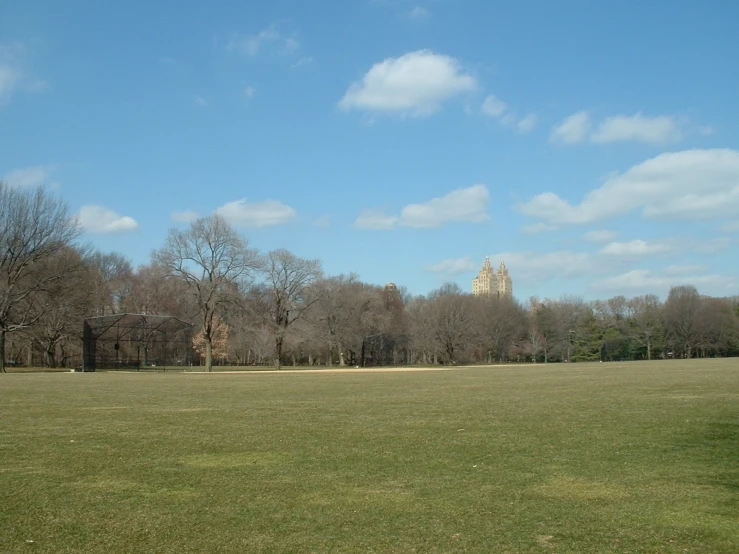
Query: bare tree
[681, 319]
[646, 321]
[113, 281]
[453, 318]
[213, 260]
[64, 304]
[289, 278]
[34, 226]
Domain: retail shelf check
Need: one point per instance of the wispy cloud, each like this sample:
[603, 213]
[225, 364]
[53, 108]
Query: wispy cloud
[495, 108]
[415, 84]
[452, 266]
[14, 72]
[28, 176]
[187, 216]
[269, 40]
[418, 13]
[305, 60]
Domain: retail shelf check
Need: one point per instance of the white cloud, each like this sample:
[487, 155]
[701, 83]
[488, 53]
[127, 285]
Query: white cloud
[639, 248]
[28, 176]
[323, 221]
[461, 205]
[692, 184]
[536, 267]
[467, 204]
[684, 269]
[305, 60]
[643, 281]
[101, 220]
[270, 39]
[419, 12]
[452, 266]
[652, 130]
[256, 214]
[538, 228]
[494, 106]
[415, 84]
[9, 79]
[572, 130]
[249, 91]
[527, 123]
[14, 74]
[199, 100]
[375, 219]
[711, 246]
[600, 236]
[731, 227]
[187, 216]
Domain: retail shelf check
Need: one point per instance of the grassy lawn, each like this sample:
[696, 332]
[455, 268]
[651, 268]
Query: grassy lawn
[632, 457]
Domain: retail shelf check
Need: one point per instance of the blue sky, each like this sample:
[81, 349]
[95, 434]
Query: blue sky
[592, 146]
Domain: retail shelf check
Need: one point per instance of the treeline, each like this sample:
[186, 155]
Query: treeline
[274, 308]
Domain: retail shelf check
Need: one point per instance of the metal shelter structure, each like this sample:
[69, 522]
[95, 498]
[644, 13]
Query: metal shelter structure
[135, 341]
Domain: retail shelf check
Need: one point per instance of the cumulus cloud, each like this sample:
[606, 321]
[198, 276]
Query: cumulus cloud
[28, 176]
[461, 205]
[467, 204]
[691, 184]
[452, 266]
[268, 40]
[256, 214]
[572, 129]
[375, 219]
[576, 128]
[652, 130]
[415, 84]
[187, 216]
[101, 220]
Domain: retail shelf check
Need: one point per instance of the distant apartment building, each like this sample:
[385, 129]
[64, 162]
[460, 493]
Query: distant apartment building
[488, 281]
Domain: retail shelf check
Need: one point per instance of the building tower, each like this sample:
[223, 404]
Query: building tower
[488, 281]
[505, 285]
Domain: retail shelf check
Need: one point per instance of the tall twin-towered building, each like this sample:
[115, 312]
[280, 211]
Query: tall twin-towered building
[488, 281]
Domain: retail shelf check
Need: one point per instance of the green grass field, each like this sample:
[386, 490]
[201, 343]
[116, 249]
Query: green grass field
[632, 457]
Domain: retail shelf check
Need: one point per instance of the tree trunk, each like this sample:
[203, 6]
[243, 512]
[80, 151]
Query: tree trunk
[649, 350]
[208, 353]
[2, 350]
[278, 352]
